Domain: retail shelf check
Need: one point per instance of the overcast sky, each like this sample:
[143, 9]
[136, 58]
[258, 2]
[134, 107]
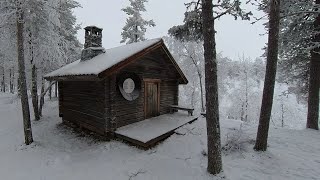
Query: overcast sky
[234, 38]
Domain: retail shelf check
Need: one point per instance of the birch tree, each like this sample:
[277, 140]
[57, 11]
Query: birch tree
[193, 51]
[50, 36]
[22, 74]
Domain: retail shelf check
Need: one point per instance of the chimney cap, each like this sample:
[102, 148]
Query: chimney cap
[92, 27]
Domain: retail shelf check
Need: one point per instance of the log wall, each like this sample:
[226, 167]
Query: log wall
[152, 66]
[84, 104]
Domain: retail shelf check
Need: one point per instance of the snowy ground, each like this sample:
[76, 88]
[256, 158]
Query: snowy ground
[59, 153]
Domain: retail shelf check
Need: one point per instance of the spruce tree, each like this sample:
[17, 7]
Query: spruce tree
[136, 25]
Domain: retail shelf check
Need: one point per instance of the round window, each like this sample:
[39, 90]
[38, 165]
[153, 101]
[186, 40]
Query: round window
[128, 85]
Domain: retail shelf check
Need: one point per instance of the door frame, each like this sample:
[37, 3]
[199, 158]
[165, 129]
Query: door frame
[146, 81]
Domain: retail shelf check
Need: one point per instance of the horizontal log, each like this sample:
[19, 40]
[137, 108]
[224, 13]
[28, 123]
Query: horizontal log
[99, 130]
[84, 117]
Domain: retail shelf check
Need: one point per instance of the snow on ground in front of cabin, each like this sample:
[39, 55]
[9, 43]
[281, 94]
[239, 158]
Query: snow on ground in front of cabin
[59, 153]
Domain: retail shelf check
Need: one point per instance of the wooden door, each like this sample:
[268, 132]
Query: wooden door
[151, 99]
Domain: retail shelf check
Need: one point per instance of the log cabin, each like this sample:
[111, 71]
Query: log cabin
[110, 88]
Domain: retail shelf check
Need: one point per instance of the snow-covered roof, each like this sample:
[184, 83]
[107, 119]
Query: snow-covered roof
[103, 61]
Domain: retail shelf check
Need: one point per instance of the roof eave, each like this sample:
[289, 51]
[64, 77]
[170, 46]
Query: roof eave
[73, 78]
[121, 65]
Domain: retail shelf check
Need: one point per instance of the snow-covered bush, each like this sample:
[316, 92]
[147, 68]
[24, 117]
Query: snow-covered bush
[236, 141]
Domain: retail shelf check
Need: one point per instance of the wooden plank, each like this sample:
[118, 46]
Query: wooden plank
[151, 142]
[151, 80]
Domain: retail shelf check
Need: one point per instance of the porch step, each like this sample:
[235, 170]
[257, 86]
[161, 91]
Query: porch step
[149, 132]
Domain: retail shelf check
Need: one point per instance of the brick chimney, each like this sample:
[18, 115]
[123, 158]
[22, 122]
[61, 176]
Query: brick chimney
[93, 43]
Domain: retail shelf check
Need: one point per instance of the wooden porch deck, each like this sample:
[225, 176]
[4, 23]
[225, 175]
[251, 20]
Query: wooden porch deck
[149, 132]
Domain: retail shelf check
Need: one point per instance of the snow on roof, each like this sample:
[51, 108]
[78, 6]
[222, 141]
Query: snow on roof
[103, 61]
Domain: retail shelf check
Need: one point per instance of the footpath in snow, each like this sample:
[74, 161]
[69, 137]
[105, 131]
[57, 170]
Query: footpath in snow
[60, 153]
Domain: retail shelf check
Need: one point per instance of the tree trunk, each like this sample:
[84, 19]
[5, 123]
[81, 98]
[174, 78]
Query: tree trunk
[270, 77]
[34, 80]
[50, 91]
[22, 76]
[195, 63]
[201, 91]
[13, 76]
[3, 81]
[247, 98]
[282, 114]
[211, 83]
[10, 80]
[41, 97]
[192, 95]
[314, 81]
[56, 89]
[136, 34]
[1, 88]
[19, 86]
[34, 93]
[242, 113]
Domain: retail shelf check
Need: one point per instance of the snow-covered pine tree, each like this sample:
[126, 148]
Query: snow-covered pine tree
[42, 43]
[136, 25]
[294, 46]
[192, 28]
[8, 48]
[50, 37]
[59, 33]
[68, 30]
